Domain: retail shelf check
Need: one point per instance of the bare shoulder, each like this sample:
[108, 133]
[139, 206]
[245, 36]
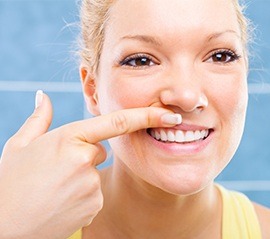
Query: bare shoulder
[264, 219]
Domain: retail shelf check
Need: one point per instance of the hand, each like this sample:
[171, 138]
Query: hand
[49, 183]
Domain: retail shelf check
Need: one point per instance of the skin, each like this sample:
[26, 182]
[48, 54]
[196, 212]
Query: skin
[182, 72]
[49, 178]
[181, 76]
[65, 183]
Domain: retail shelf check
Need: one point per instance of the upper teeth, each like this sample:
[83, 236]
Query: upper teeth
[178, 136]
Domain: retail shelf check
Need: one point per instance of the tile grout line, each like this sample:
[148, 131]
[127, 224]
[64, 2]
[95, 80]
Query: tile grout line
[28, 86]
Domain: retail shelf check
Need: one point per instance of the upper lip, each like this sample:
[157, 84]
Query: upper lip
[190, 127]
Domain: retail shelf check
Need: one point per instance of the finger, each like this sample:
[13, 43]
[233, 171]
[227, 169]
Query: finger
[89, 155]
[123, 122]
[38, 123]
[101, 156]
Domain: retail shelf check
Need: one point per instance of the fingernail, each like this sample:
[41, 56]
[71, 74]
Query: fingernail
[172, 119]
[39, 98]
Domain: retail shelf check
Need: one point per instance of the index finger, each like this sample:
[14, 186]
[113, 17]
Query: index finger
[123, 122]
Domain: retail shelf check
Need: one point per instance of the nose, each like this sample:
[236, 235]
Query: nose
[184, 90]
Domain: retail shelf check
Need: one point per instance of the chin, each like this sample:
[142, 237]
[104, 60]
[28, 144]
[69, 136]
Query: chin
[184, 184]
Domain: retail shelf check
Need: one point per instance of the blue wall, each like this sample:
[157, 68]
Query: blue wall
[37, 52]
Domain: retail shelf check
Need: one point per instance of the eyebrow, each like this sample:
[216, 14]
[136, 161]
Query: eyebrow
[219, 34]
[157, 42]
[143, 38]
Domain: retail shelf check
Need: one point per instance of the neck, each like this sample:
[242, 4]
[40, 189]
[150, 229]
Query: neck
[133, 206]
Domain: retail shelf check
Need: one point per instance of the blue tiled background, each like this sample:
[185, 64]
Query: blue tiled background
[37, 52]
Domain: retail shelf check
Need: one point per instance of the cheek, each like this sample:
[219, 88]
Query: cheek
[230, 101]
[117, 93]
[234, 101]
[228, 94]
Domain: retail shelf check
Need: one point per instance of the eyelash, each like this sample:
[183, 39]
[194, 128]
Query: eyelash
[229, 53]
[139, 56]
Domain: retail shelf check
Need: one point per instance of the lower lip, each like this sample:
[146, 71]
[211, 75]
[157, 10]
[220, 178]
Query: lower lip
[182, 148]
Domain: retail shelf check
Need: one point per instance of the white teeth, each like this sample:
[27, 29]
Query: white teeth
[197, 135]
[171, 136]
[204, 133]
[189, 136]
[157, 135]
[178, 136]
[163, 135]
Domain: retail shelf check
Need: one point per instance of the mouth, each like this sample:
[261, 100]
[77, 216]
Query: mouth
[179, 136]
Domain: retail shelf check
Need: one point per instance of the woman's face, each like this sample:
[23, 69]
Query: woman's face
[186, 56]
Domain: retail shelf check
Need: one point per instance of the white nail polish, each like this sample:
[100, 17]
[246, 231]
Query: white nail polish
[39, 98]
[178, 118]
[172, 119]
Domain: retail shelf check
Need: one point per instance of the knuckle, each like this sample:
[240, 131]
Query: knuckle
[120, 123]
[78, 163]
[95, 182]
[84, 160]
[95, 205]
[99, 204]
[94, 200]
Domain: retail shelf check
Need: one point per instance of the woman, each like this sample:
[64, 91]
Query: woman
[168, 84]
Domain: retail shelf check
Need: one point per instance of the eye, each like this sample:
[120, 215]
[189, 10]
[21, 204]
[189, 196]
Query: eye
[138, 60]
[223, 56]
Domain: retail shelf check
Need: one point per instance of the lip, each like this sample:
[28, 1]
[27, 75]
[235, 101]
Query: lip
[187, 148]
[189, 127]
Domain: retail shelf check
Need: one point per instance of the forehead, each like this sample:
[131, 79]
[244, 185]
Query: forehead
[174, 17]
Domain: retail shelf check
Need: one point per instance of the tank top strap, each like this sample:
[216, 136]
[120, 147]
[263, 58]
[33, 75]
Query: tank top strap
[76, 235]
[239, 217]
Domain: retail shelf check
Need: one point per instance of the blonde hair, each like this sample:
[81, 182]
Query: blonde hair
[244, 23]
[95, 15]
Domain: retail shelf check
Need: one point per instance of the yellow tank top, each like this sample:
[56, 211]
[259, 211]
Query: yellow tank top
[239, 219]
